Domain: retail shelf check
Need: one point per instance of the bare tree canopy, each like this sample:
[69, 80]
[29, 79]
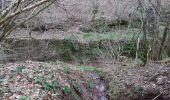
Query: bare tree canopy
[16, 12]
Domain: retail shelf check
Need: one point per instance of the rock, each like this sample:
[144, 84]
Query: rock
[101, 88]
[94, 76]
[161, 80]
[151, 88]
[103, 98]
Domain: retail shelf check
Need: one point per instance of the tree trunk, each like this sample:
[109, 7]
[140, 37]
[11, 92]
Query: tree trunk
[168, 41]
[155, 43]
[162, 46]
[155, 47]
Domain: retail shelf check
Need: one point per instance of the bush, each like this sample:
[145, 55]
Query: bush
[130, 49]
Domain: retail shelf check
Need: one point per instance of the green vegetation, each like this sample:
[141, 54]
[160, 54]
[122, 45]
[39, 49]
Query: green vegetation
[66, 69]
[39, 80]
[25, 98]
[78, 88]
[90, 84]
[86, 68]
[130, 50]
[84, 48]
[53, 79]
[50, 86]
[113, 35]
[67, 89]
[20, 68]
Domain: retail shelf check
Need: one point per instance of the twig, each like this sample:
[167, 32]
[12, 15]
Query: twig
[157, 96]
[160, 94]
[23, 10]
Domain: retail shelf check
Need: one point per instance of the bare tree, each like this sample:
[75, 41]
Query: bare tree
[17, 12]
[155, 14]
[164, 16]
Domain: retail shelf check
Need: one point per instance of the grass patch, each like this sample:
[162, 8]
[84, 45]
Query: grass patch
[86, 68]
[113, 35]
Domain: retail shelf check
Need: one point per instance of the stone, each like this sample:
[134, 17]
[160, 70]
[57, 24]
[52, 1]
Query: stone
[161, 80]
[151, 88]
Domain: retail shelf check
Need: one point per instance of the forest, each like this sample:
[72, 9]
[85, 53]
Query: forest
[84, 49]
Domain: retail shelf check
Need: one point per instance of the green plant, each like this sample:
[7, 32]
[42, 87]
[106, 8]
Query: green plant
[49, 86]
[25, 98]
[129, 49]
[137, 89]
[1, 80]
[78, 88]
[66, 68]
[90, 84]
[43, 67]
[67, 89]
[39, 80]
[20, 68]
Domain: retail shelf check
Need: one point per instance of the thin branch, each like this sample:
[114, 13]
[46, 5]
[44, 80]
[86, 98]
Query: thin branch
[5, 11]
[8, 33]
[4, 34]
[23, 10]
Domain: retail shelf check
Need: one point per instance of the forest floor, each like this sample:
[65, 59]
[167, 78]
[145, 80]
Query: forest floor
[29, 80]
[49, 81]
